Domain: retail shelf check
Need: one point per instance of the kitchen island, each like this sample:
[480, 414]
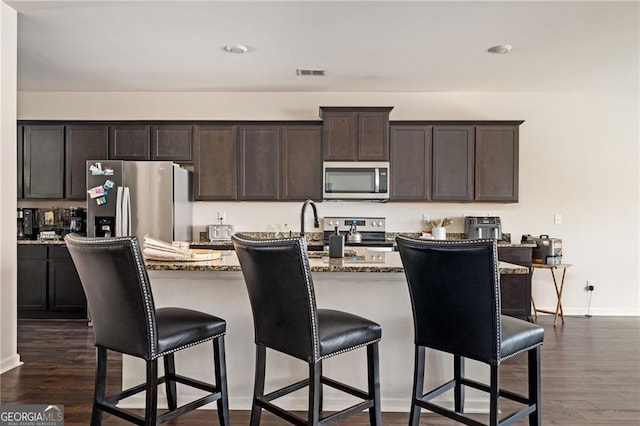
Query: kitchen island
[371, 285]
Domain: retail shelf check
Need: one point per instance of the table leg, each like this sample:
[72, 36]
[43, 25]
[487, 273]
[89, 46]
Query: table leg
[533, 303]
[559, 295]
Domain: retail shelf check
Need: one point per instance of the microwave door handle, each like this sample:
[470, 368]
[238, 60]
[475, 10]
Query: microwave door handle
[376, 180]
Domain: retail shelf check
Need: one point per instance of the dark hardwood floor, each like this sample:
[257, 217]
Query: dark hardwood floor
[590, 375]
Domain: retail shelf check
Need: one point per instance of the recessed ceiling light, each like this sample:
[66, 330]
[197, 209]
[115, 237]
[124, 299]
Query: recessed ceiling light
[500, 49]
[236, 48]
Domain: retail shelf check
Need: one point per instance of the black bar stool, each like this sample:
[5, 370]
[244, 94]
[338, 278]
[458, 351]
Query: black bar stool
[455, 297]
[286, 319]
[125, 320]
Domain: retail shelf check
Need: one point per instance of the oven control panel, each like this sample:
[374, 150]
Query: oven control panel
[363, 224]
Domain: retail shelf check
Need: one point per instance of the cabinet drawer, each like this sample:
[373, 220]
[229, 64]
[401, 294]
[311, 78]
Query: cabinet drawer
[28, 251]
[59, 253]
[517, 255]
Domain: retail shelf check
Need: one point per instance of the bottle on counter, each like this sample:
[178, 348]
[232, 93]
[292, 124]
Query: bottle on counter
[336, 244]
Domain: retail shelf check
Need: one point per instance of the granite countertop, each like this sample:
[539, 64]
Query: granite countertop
[319, 262]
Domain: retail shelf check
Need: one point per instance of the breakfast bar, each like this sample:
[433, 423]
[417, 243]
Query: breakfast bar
[369, 284]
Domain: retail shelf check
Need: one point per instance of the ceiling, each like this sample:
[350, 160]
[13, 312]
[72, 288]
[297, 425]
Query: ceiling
[365, 46]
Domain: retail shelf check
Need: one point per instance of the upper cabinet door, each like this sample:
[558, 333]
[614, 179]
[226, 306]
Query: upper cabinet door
[20, 162]
[453, 163]
[215, 163]
[340, 135]
[259, 162]
[355, 133]
[43, 172]
[129, 142]
[410, 164]
[496, 176]
[172, 143]
[83, 142]
[373, 136]
[301, 163]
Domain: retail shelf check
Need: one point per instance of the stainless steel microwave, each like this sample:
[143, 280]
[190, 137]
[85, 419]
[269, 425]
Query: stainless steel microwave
[356, 180]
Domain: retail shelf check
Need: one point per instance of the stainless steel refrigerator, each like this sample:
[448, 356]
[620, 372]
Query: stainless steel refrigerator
[139, 198]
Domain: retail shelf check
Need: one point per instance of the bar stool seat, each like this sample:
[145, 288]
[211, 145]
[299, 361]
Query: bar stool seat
[125, 320]
[286, 319]
[454, 288]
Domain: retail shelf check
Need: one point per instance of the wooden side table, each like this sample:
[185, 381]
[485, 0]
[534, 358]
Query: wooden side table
[552, 268]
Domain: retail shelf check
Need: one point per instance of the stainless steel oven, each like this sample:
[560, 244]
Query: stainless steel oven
[372, 230]
[356, 180]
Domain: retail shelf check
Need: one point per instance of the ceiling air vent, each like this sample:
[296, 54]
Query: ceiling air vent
[311, 72]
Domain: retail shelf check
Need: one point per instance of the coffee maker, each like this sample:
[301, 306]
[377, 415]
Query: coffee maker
[78, 220]
[28, 223]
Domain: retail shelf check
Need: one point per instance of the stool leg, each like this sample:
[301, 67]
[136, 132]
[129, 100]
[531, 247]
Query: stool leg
[151, 406]
[170, 383]
[493, 396]
[314, 393]
[418, 384]
[535, 393]
[320, 390]
[100, 385]
[258, 386]
[375, 416]
[458, 374]
[220, 366]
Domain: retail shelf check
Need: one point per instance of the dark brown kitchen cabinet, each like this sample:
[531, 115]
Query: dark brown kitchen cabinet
[43, 162]
[20, 161]
[48, 283]
[301, 163]
[215, 163]
[32, 280]
[355, 133]
[259, 148]
[453, 163]
[65, 293]
[515, 289]
[83, 142]
[410, 162]
[172, 143]
[129, 142]
[496, 163]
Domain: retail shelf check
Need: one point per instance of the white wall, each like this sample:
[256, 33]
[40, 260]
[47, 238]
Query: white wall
[579, 156]
[9, 357]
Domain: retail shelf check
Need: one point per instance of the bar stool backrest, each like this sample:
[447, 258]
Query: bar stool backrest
[278, 280]
[118, 293]
[455, 295]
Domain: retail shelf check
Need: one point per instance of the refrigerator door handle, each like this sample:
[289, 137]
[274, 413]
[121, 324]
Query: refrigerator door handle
[126, 211]
[119, 201]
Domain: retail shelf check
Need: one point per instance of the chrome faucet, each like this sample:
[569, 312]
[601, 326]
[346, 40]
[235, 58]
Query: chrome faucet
[316, 222]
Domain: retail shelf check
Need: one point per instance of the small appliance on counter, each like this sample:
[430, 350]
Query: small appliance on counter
[482, 227]
[28, 223]
[548, 251]
[78, 220]
[219, 232]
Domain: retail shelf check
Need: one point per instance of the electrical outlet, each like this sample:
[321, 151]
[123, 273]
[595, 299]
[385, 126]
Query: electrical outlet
[590, 286]
[426, 217]
[221, 217]
[557, 219]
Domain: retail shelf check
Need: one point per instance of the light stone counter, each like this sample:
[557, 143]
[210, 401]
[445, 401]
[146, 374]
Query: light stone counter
[377, 291]
[361, 261]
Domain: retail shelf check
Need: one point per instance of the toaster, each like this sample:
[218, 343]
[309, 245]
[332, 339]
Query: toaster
[548, 251]
[219, 232]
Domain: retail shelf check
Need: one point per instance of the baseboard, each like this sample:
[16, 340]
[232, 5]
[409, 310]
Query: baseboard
[9, 363]
[600, 312]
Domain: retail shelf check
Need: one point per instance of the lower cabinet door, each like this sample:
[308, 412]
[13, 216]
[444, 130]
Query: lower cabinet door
[32, 286]
[515, 293]
[65, 288]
